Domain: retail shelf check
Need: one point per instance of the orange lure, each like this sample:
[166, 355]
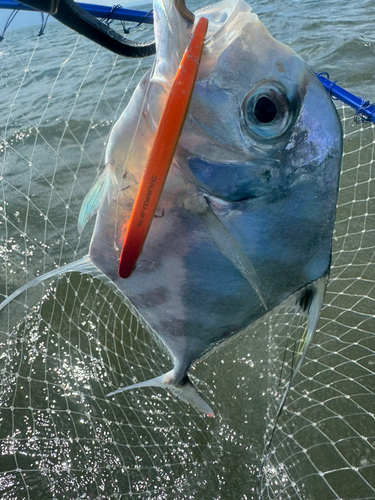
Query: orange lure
[162, 152]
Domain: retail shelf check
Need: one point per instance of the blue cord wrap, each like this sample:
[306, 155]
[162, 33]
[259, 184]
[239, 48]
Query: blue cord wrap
[364, 111]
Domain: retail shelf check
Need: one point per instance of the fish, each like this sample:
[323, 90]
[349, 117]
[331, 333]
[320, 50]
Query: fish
[247, 212]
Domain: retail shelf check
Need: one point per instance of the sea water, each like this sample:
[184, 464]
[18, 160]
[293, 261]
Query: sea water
[60, 437]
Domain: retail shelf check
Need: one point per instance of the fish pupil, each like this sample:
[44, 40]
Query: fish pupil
[265, 110]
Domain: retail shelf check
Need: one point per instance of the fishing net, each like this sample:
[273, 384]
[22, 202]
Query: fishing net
[65, 344]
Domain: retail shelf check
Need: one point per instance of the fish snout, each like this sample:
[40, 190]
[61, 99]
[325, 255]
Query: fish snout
[316, 143]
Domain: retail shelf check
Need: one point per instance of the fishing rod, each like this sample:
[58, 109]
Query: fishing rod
[83, 19]
[101, 11]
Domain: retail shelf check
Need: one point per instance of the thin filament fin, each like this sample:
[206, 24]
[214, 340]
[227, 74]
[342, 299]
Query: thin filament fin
[310, 301]
[83, 265]
[229, 247]
[313, 309]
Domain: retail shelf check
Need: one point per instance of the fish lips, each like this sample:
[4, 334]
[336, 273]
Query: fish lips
[236, 181]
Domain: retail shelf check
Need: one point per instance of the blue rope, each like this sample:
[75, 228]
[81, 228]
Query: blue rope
[43, 26]
[8, 23]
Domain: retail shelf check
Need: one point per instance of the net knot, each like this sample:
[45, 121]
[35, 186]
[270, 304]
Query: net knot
[332, 84]
[330, 90]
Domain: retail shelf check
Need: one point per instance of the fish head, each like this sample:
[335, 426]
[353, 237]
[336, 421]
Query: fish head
[262, 142]
[259, 119]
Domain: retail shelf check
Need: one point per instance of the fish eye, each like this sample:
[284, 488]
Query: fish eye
[266, 110]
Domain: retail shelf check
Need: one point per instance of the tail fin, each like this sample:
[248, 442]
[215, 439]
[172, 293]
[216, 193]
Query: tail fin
[185, 392]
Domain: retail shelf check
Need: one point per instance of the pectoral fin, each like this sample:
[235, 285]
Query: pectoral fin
[102, 187]
[83, 265]
[308, 300]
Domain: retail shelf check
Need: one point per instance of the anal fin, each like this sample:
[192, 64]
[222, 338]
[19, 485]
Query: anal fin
[310, 301]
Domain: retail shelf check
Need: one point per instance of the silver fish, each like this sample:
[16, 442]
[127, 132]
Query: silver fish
[249, 203]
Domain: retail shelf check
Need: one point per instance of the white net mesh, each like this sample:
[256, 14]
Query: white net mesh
[64, 345]
[325, 438]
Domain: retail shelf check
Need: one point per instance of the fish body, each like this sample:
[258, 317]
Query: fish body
[248, 208]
